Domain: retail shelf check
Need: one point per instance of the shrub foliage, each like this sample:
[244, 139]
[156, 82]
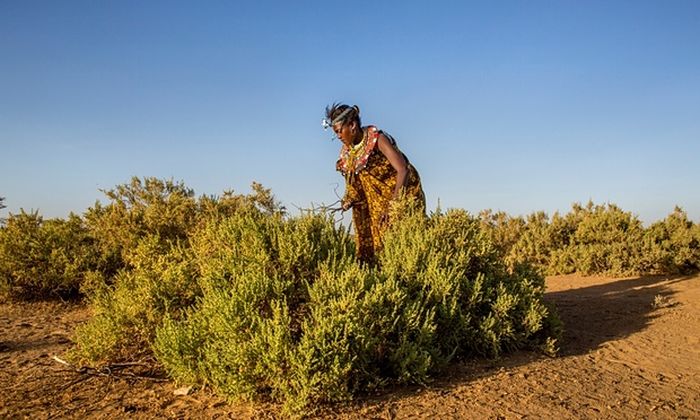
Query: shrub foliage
[596, 239]
[148, 267]
[671, 245]
[231, 292]
[164, 208]
[287, 312]
[44, 258]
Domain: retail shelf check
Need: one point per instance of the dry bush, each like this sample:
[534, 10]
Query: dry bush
[672, 245]
[44, 259]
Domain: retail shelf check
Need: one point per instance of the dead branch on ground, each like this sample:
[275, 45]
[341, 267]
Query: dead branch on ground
[115, 370]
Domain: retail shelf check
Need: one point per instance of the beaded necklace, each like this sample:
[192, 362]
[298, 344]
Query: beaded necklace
[352, 155]
[353, 159]
[354, 150]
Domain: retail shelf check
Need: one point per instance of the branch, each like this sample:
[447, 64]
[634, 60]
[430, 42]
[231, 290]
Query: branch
[113, 370]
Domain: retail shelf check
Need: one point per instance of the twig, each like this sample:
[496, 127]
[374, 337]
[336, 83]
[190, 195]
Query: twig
[75, 381]
[111, 371]
[333, 209]
[128, 364]
[59, 360]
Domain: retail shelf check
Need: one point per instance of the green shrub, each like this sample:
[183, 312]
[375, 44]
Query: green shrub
[288, 313]
[607, 240]
[595, 239]
[255, 271]
[503, 230]
[672, 245]
[534, 240]
[149, 272]
[143, 207]
[483, 307]
[44, 258]
[163, 208]
[538, 239]
[162, 282]
[530, 245]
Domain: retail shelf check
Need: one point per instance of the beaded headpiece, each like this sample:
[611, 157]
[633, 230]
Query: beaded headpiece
[325, 123]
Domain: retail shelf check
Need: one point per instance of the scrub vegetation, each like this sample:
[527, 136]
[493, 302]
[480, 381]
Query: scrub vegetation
[231, 292]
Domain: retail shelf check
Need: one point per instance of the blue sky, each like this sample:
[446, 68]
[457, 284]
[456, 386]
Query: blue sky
[514, 105]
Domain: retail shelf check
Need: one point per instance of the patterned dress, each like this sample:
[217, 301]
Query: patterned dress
[370, 181]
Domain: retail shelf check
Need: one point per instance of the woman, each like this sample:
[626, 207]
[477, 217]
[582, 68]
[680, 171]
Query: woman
[376, 173]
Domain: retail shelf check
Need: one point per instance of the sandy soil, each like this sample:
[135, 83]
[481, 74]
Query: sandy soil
[631, 350]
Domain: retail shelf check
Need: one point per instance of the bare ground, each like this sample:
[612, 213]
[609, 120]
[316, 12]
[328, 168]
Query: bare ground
[631, 350]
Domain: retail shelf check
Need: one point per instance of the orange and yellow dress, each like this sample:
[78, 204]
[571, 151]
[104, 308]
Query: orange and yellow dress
[370, 181]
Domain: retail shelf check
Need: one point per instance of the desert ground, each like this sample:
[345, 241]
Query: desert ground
[631, 349]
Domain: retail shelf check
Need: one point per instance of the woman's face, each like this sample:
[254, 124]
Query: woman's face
[345, 132]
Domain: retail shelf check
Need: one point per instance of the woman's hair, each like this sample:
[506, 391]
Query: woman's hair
[333, 111]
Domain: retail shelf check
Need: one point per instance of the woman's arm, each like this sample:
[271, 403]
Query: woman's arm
[350, 198]
[397, 161]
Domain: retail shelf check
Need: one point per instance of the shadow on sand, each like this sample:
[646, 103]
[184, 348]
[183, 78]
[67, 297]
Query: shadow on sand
[599, 313]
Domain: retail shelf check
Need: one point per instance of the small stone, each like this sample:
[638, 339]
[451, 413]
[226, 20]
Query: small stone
[185, 390]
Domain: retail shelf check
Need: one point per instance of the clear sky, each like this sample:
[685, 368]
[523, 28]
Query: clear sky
[510, 105]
